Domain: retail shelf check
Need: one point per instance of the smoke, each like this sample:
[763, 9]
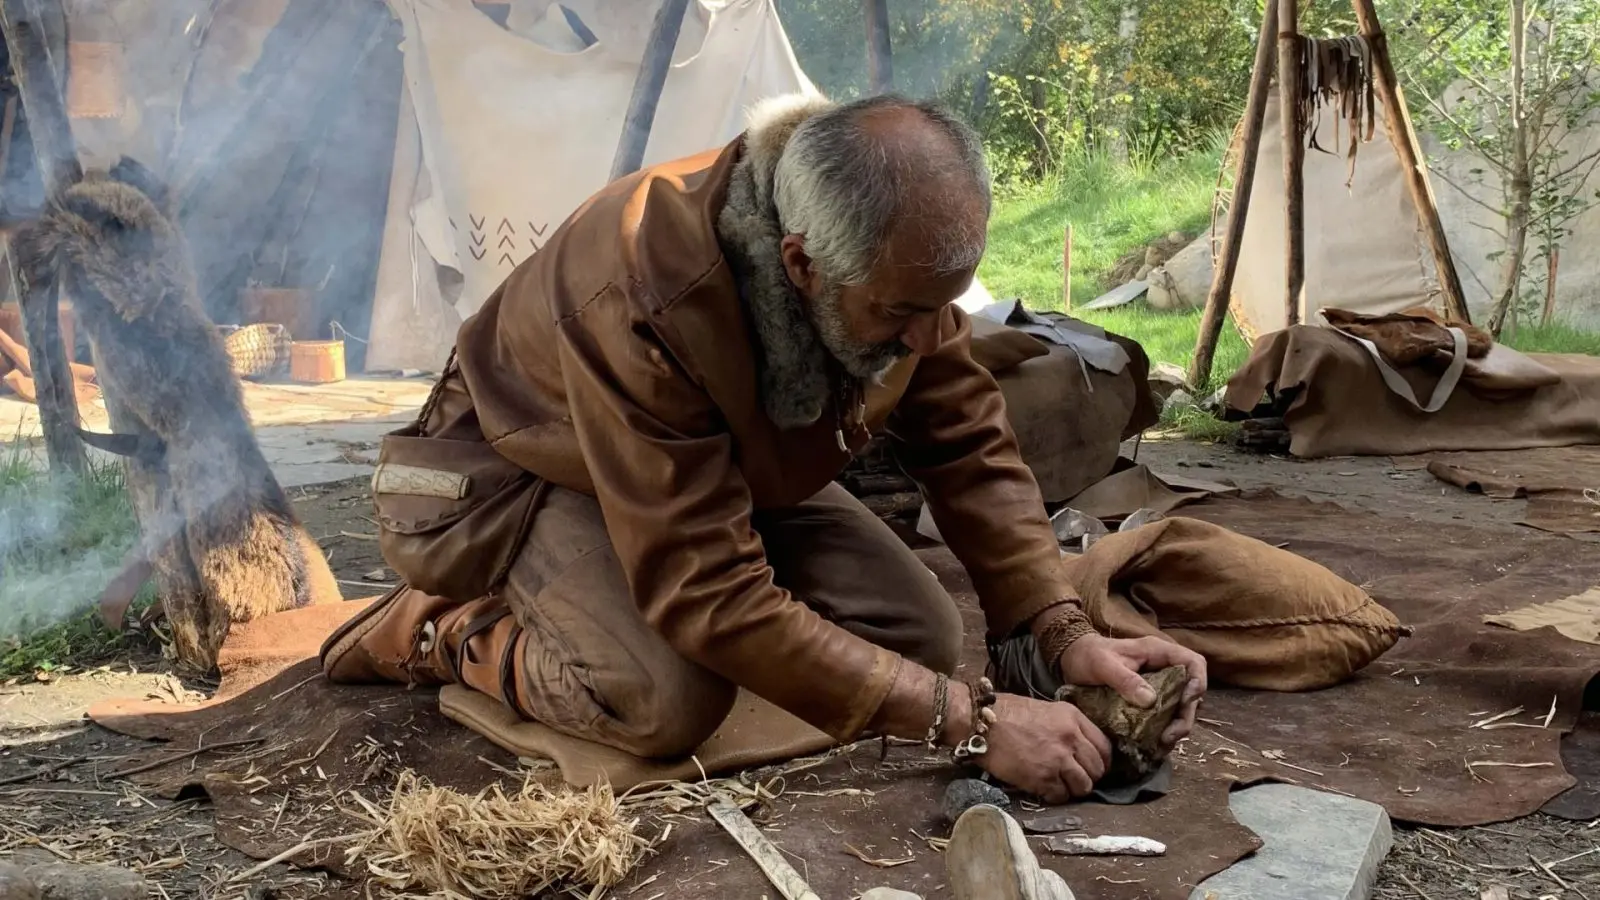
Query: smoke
[59, 546]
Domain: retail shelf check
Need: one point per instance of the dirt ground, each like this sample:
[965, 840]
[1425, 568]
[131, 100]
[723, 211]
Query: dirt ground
[59, 798]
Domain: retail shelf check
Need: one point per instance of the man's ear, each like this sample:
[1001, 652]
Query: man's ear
[798, 263]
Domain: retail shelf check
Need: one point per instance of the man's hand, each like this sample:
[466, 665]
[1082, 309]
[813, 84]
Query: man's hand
[1045, 748]
[1116, 663]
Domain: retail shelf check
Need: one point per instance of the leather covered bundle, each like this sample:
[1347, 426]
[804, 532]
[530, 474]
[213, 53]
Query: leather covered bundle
[1263, 618]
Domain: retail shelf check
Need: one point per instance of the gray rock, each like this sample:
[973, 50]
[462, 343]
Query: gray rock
[1317, 846]
[1070, 525]
[65, 881]
[15, 884]
[1165, 379]
[965, 793]
[1179, 399]
[885, 893]
[1189, 275]
[1162, 293]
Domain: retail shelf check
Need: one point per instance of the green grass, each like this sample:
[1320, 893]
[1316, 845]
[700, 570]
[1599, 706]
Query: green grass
[1113, 208]
[1557, 337]
[59, 546]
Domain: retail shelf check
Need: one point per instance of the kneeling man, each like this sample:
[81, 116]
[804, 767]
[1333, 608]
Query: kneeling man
[618, 506]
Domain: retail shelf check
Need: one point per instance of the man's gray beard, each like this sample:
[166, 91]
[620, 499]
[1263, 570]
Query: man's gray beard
[866, 361]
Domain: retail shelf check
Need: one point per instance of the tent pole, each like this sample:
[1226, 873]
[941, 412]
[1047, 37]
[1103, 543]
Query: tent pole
[880, 60]
[1291, 74]
[1205, 347]
[647, 87]
[56, 157]
[1397, 123]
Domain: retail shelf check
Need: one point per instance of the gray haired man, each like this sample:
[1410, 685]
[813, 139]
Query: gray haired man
[658, 402]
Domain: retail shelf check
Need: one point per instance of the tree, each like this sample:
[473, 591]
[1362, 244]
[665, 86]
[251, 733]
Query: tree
[1508, 82]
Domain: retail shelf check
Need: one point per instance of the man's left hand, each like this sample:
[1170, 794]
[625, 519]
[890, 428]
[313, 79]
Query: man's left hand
[1095, 659]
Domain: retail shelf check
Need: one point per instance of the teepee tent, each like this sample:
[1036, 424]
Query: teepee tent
[1364, 246]
[1355, 227]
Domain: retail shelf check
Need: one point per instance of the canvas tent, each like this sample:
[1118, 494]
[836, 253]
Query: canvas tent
[1364, 245]
[504, 131]
[389, 161]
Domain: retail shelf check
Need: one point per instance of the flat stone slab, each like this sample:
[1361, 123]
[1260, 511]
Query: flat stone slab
[1317, 846]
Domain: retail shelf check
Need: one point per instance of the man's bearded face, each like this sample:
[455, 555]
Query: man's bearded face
[864, 358]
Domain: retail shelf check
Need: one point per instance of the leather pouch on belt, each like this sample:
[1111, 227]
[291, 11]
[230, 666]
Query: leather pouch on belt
[452, 514]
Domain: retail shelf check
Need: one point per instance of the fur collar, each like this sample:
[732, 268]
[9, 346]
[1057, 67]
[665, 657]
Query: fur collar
[793, 365]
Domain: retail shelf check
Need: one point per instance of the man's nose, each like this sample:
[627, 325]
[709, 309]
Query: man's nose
[922, 335]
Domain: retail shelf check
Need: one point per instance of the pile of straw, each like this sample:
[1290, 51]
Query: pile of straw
[493, 845]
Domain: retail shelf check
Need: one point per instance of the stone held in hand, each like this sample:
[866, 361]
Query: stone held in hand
[965, 793]
[1135, 733]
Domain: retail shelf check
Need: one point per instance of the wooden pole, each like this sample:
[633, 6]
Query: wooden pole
[880, 60]
[1244, 177]
[1397, 124]
[1066, 269]
[57, 160]
[647, 87]
[1290, 77]
[1550, 287]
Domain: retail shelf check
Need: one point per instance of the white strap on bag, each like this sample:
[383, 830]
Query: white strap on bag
[1397, 383]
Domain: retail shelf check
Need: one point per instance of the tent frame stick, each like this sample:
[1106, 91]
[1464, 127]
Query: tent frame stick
[1291, 75]
[1243, 182]
[56, 156]
[1402, 134]
[647, 87]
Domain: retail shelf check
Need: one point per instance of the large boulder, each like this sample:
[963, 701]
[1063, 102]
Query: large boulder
[1184, 280]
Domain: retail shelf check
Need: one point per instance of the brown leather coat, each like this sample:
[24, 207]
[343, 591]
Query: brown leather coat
[618, 360]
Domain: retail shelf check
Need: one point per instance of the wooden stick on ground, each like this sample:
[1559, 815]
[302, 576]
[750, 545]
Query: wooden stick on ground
[1205, 348]
[768, 857]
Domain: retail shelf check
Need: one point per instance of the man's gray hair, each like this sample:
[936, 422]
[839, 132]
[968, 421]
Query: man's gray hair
[843, 189]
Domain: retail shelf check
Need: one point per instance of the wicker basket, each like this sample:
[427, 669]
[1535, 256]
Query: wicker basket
[258, 351]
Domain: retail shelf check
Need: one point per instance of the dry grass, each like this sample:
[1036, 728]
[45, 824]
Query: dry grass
[495, 845]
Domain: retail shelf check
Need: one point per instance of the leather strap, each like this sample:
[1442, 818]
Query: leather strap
[1402, 388]
[483, 622]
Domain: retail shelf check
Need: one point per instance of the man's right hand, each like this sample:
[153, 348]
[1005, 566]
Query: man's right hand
[1046, 748]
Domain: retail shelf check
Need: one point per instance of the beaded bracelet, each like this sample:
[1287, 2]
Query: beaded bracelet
[941, 700]
[983, 716]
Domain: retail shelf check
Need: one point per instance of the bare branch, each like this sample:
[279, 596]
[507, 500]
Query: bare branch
[1591, 158]
[1460, 189]
[1501, 235]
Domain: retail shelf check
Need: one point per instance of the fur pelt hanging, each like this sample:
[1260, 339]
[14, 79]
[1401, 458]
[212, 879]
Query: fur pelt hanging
[1339, 71]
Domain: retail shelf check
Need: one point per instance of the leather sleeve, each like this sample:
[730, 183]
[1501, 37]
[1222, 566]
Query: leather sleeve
[951, 436]
[679, 515]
